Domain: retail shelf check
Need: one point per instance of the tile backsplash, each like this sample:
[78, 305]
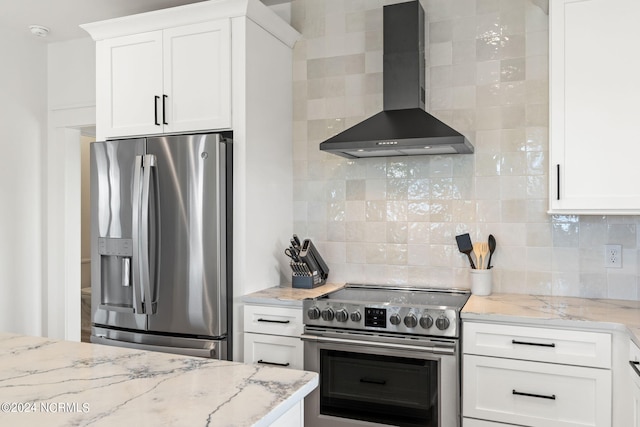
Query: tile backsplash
[394, 220]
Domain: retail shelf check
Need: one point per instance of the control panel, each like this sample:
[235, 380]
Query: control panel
[382, 317]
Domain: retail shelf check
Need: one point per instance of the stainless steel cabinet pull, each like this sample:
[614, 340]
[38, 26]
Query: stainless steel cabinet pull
[634, 364]
[373, 381]
[532, 343]
[539, 396]
[274, 321]
[273, 363]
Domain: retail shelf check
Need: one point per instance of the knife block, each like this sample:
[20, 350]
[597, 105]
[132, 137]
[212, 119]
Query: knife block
[307, 282]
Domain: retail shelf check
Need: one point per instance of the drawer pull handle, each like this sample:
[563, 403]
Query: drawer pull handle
[634, 364]
[373, 381]
[532, 343]
[539, 396]
[273, 363]
[274, 321]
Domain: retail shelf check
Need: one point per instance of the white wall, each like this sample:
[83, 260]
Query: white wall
[23, 123]
[72, 74]
[71, 89]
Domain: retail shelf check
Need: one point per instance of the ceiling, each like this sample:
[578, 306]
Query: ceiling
[62, 17]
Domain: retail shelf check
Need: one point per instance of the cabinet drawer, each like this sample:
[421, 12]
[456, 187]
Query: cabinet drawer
[273, 350]
[535, 394]
[273, 320]
[537, 344]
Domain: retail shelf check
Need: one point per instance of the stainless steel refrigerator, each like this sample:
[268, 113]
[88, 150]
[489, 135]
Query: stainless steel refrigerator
[161, 244]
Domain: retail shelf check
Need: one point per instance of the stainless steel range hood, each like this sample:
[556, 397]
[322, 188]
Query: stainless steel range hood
[403, 128]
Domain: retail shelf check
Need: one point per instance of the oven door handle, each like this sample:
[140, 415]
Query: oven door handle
[431, 349]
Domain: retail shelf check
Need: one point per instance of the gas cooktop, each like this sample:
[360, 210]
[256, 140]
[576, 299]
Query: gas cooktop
[389, 309]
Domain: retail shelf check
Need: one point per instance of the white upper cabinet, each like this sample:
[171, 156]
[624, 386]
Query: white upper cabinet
[129, 70]
[594, 126]
[167, 81]
[197, 77]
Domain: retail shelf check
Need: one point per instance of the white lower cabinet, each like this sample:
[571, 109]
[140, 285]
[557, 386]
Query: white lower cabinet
[272, 336]
[294, 417]
[535, 377]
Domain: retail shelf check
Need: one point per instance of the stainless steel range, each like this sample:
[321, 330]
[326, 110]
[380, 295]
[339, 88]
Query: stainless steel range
[385, 355]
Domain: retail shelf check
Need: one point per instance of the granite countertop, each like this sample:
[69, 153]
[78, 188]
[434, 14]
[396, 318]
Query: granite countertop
[608, 314]
[286, 295]
[90, 384]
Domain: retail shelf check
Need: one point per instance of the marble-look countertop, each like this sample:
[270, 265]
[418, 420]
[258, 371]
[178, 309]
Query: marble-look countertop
[89, 384]
[286, 295]
[589, 313]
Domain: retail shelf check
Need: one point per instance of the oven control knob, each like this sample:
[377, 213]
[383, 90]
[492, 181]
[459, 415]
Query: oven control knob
[356, 316]
[442, 323]
[426, 321]
[342, 315]
[313, 313]
[328, 314]
[410, 320]
[394, 319]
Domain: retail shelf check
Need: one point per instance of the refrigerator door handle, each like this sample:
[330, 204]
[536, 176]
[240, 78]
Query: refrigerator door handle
[149, 163]
[135, 225]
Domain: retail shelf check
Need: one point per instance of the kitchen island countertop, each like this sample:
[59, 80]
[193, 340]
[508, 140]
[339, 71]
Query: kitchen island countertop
[588, 313]
[59, 383]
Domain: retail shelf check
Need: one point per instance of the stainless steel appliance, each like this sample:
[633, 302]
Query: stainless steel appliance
[161, 244]
[385, 356]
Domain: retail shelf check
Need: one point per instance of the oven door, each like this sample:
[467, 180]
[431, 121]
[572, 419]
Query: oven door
[370, 380]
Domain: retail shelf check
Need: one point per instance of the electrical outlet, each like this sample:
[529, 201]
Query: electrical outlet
[613, 256]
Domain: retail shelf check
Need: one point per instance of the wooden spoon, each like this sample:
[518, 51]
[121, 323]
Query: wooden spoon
[480, 250]
[477, 251]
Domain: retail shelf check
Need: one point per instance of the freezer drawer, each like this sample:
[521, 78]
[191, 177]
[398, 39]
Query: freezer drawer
[212, 349]
[535, 394]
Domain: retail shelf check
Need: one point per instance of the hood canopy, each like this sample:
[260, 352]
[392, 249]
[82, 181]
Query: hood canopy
[403, 128]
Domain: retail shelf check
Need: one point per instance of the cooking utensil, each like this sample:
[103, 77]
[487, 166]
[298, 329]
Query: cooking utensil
[480, 250]
[292, 253]
[492, 248]
[465, 246]
[476, 253]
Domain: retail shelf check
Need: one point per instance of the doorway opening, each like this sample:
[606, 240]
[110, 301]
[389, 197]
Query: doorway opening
[87, 136]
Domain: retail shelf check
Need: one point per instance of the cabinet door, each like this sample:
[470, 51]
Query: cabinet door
[128, 96]
[197, 77]
[594, 126]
